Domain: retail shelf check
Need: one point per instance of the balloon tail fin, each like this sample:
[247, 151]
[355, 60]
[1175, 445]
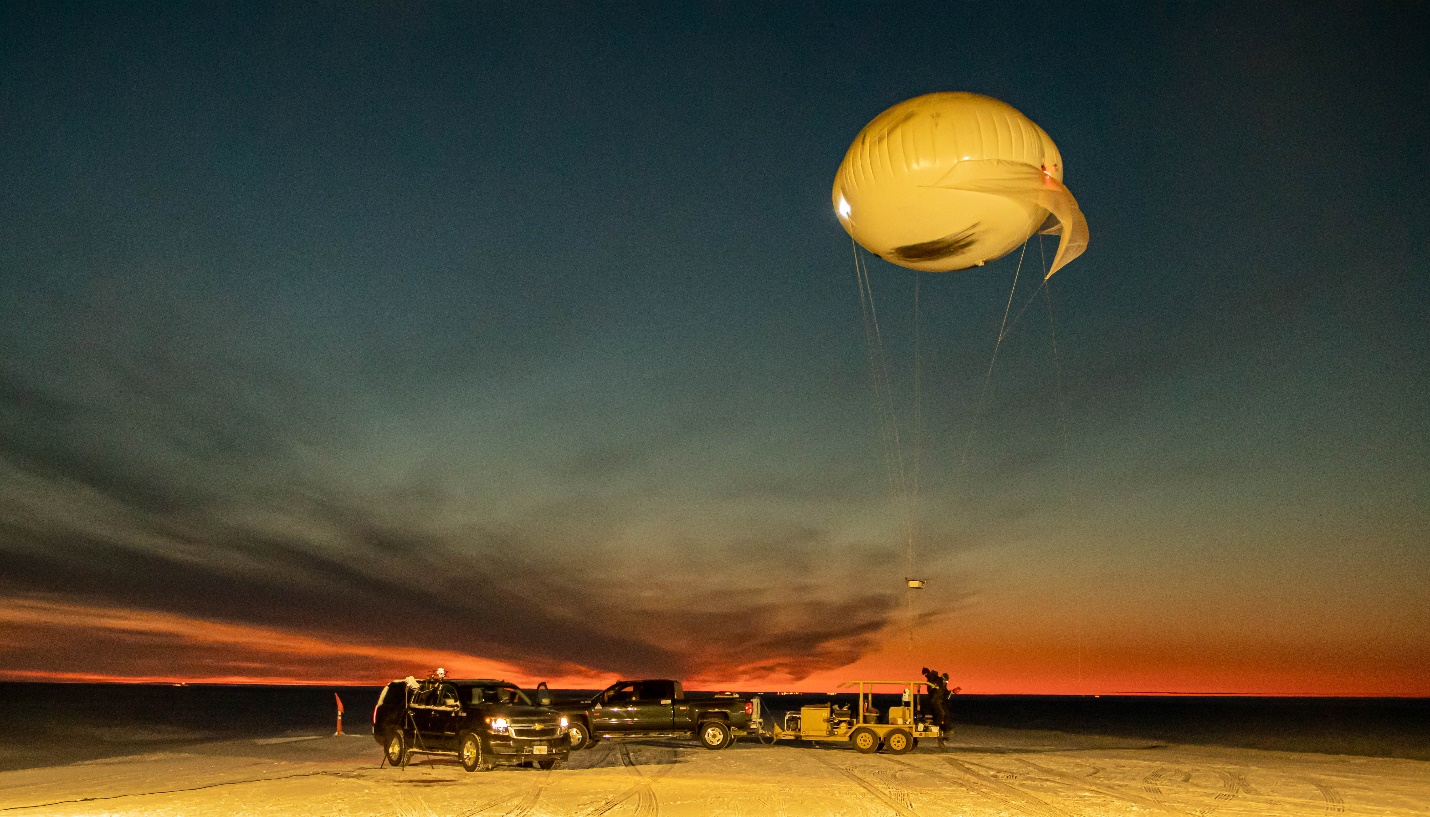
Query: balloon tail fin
[1071, 226]
[1029, 184]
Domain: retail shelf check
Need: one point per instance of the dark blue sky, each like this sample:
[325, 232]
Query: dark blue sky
[538, 319]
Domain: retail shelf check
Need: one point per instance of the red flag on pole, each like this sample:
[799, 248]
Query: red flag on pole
[340, 702]
[340, 715]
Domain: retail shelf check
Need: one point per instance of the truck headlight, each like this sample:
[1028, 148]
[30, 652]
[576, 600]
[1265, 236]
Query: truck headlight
[563, 724]
[499, 725]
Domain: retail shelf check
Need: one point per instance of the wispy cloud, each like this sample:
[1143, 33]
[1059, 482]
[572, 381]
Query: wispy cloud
[135, 522]
[61, 640]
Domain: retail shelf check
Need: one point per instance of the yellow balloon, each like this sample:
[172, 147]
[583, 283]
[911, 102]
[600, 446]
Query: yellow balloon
[949, 181]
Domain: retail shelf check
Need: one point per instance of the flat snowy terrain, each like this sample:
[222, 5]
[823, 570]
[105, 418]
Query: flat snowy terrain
[984, 772]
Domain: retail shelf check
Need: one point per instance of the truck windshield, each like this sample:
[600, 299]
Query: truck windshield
[497, 695]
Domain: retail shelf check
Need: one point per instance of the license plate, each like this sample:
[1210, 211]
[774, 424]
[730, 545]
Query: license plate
[538, 750]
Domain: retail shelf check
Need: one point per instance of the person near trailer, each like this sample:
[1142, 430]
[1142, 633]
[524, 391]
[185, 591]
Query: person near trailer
[939, 704]
[948, 702]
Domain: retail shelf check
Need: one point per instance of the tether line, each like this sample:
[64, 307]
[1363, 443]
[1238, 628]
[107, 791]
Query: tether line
[882, 383]
[1003, 330]
[897, 471]
[1067, 459]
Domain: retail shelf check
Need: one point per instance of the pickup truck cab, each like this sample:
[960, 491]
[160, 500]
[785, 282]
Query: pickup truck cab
[483, 722]
[659, 708]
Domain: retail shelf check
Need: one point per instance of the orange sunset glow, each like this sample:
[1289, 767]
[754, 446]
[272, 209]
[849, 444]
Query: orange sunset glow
[133, 646]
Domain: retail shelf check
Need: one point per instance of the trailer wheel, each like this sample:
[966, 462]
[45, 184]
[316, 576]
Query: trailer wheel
[714, 735]
[864, 740]
[899, 742]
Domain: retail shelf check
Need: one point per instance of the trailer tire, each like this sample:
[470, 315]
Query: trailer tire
[714, 735]
[899, 742]
[865, 741]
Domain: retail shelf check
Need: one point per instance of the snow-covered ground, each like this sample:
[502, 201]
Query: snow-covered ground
[985, 771]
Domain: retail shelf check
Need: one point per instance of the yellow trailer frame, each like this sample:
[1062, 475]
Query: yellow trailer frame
[897, 734]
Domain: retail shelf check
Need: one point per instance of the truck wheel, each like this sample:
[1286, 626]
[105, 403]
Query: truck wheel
[865, 740]
[548, 763]
[395, 749]
[470, 751]
[580, 738]
[899, 742]
[714, 735]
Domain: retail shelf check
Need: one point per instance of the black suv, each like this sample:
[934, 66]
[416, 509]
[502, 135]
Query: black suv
[483, 722]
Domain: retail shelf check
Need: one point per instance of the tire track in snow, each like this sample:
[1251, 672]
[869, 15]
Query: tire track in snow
[1011, 796]
[889, 779]
[646, 803]
[1335, 803]
[524, 798]
[531, 796]
[1230, 787]
[602, 753]
[1101, 788]
[879, 794]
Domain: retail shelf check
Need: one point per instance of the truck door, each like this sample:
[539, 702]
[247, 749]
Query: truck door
[655, 706]
[614, 711]
[682, 711]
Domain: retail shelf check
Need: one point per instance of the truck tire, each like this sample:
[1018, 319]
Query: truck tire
[714, 735]
[469, 749]
[395, 749]
[898, 742]
[580, 736]
[866, 741]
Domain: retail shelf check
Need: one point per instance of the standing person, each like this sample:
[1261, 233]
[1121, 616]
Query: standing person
[947, 714]
[938, 701]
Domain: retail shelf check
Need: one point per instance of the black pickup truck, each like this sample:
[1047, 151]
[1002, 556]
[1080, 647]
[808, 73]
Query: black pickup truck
[483, 722]
[659, 709]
